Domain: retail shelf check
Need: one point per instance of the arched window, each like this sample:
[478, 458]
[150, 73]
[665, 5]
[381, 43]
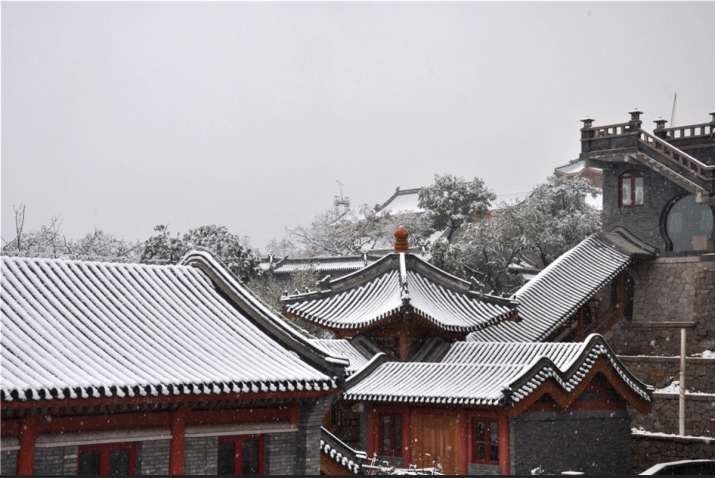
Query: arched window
[631, 189]
[689, 225]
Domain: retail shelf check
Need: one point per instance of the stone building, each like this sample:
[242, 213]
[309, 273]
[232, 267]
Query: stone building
[143, 369]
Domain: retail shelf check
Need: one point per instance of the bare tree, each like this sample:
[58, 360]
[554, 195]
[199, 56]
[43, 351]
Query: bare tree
[19, 224]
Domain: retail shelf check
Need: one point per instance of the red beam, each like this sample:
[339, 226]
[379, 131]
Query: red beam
[176, 453]
[116, 421]
[28, 434]
[154, 400]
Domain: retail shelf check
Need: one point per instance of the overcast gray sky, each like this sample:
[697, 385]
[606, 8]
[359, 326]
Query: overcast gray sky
[122, 116]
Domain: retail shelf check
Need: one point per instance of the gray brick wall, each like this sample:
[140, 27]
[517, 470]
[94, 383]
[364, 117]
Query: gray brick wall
[591, 442]
[153, 457]
[201, 456]
[643, 221]
[8, 462]
[280, 453]
[308, 436]
[61, 460]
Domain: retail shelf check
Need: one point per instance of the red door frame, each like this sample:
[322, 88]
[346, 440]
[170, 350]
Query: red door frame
[104, 455]
[374, 424]
[238, 457]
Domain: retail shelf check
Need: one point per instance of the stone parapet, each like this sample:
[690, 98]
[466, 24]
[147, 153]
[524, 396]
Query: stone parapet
[650, 449]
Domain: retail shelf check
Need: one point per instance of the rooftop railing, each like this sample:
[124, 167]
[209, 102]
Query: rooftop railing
[675, 155]
[691, 131]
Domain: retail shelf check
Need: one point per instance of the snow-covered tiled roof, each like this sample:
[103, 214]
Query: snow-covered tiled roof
[550, 299]
[398, 282]
[344, 349]
[76, 329]
[482, 374]
[318, 264]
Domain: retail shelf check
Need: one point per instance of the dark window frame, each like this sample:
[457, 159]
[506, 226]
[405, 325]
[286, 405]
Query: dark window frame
[395, 435]
[105, 452]
[491, 457]
[631, 177]
[238, 441]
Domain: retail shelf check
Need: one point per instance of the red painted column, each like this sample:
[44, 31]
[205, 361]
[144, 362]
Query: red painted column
[28, 435]
[406, 436]
[504, 445]
[176, 454]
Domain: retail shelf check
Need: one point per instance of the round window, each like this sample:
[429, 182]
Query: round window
[689, 225]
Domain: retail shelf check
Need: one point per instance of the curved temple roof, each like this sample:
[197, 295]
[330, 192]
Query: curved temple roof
[344, 349]
[76, 329]
[398, 282]
[550, 299]
[491, 374]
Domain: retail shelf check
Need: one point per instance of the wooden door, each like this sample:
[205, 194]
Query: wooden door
[436, 436]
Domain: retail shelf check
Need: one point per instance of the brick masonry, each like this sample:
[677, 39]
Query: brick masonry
[307, 445]
[153, 457]
[61, 460]
[8, 462]
[594, 442]
[669, 289]
[201, 455]
[650, 450]
[699, 412]
[280, 453]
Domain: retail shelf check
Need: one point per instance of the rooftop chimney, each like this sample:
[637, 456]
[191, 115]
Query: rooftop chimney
[401, 244]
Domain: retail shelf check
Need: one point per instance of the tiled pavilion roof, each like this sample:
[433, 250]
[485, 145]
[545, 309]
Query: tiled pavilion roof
[399, 282]
[490, 374]
[77, 329]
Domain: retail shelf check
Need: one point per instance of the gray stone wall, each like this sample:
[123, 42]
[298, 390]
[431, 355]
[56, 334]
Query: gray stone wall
[661, 371]
[669, 289]
[61, 460]
[643, 221]
[153, 457]
[650, 450]
[308, 436]
[699, 410]
[201, 455]
[8, 462]
[596, 442]
[280, 453]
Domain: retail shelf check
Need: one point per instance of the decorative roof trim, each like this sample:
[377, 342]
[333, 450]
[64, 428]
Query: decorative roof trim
[568, 378]
[340, 452]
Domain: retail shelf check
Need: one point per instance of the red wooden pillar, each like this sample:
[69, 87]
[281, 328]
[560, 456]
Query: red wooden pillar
[406, 435]
[372, 431]
[28, 435]
[504, 444]
[176, 454]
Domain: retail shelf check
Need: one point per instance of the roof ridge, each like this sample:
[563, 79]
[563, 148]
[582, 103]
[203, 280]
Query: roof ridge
[64, 260]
